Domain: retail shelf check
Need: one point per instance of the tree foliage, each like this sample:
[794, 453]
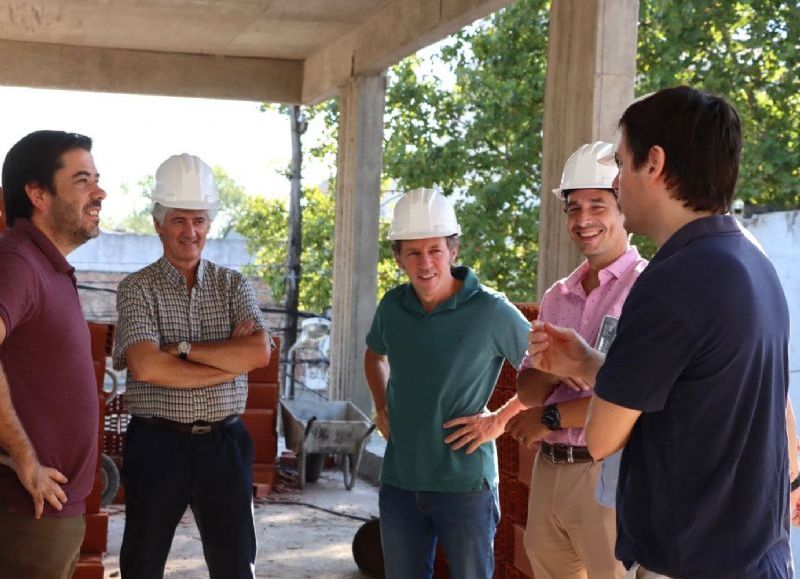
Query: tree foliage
[469, 119]
[748, 51]
[264, 224]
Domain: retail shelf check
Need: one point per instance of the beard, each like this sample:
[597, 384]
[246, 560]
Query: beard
[68, 221]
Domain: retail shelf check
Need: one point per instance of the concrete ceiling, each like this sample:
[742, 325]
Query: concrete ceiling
[273, 50]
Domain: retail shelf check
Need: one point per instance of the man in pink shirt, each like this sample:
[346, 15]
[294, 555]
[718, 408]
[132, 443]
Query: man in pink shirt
[569, 533]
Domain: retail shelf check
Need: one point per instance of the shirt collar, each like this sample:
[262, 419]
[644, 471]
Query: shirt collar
[469, 286]
[176, 277]
[45, 245]
[615, 270]
[695, 229]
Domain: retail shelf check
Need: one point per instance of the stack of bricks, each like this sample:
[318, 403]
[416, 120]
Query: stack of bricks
[95, 541]
[515, 465]
[260, 418]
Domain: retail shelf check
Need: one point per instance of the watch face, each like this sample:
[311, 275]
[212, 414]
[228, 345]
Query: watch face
[551, 417]
[184, 347]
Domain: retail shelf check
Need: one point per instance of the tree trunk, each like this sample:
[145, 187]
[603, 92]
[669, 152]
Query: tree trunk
[298, 127]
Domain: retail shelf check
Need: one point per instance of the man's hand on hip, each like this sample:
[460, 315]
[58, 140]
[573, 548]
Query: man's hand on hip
[382, 422]
[42, 483]
[475, 430]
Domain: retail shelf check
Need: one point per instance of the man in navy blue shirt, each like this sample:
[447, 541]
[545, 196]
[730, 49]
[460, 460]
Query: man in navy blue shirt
[695, 385]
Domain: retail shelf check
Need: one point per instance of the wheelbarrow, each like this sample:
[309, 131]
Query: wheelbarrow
[326, 427]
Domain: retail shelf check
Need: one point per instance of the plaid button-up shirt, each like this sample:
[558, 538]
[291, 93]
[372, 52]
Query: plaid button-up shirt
[154, 306]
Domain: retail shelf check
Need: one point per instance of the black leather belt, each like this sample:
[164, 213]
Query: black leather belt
[564, 453]
[197, 427]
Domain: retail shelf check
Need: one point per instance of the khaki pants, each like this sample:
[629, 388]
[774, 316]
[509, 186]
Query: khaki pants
[47, 548]
[639, 572]
[569, 535]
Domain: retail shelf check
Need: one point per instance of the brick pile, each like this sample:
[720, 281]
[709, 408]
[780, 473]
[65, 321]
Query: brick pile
[261, 420]
[95, 541]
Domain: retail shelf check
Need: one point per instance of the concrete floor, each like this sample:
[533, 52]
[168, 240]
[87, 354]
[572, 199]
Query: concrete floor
[295, 542]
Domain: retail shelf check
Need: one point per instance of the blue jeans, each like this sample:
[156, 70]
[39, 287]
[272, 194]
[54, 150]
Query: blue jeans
[165, 471]
[412, 522]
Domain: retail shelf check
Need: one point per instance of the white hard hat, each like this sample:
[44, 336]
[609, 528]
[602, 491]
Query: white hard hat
[185, 182]
[422, 214]
[585, 169]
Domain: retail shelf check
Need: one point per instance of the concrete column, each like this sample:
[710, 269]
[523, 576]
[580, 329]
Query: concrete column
[355, 258]
[591, 63]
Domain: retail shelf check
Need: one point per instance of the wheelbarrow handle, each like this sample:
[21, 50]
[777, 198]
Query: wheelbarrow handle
[369, 431]
[310, 423]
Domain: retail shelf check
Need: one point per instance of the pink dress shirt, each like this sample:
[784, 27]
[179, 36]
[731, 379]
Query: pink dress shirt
[566, 304]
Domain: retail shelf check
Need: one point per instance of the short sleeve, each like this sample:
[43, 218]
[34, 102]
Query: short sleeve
[245, 304]
[375, 340]
[652, 348]
[18, 290]
[136, 321]
[510, 330]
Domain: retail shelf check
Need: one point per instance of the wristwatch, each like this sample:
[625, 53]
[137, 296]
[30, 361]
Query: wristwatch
[551, 417]
[183, 350]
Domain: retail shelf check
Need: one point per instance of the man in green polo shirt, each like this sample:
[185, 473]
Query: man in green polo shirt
[434, 353]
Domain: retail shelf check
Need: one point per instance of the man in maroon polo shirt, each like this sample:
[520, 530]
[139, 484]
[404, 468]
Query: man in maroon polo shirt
[48, 398]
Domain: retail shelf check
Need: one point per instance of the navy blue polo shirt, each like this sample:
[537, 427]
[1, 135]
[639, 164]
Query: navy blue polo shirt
[702, 351]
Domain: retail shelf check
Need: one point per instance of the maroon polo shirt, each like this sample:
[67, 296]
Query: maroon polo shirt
[47, 360]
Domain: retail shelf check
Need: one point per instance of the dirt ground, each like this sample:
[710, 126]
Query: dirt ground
[294, 541]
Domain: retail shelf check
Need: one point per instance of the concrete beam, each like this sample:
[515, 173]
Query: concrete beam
[591, 63]
[397, 30]
[355, 257]
[57, 66]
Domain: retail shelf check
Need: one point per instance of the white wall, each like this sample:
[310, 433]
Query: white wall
[779, 233]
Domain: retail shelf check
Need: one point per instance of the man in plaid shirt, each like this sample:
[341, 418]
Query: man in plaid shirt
[188, 333]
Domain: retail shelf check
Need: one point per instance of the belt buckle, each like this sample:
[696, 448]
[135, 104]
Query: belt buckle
[201, 428]
[570, 459]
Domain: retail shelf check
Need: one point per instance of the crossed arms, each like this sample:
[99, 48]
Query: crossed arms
[209, 363]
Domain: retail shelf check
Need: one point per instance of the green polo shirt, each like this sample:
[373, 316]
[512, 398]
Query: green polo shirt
[442, 365]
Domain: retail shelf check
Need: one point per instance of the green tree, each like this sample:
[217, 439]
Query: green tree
[478, 133]
[232, 197]
[139, 219]
[748, 51]
[264, 224]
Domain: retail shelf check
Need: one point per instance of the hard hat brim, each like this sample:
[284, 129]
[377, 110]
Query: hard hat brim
[189, 205]
[406, 236]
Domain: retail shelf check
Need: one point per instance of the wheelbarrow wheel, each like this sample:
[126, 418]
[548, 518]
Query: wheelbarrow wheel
[367, 551]
[109, 474]
[314, 462]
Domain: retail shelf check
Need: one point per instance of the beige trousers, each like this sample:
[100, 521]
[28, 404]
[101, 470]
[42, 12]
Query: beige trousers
[569, 535]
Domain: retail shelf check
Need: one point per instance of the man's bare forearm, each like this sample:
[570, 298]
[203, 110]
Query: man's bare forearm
[573, 412]
[534, 386]
[376, 372]
[147, 363]
[13, 439]
[235, 355]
